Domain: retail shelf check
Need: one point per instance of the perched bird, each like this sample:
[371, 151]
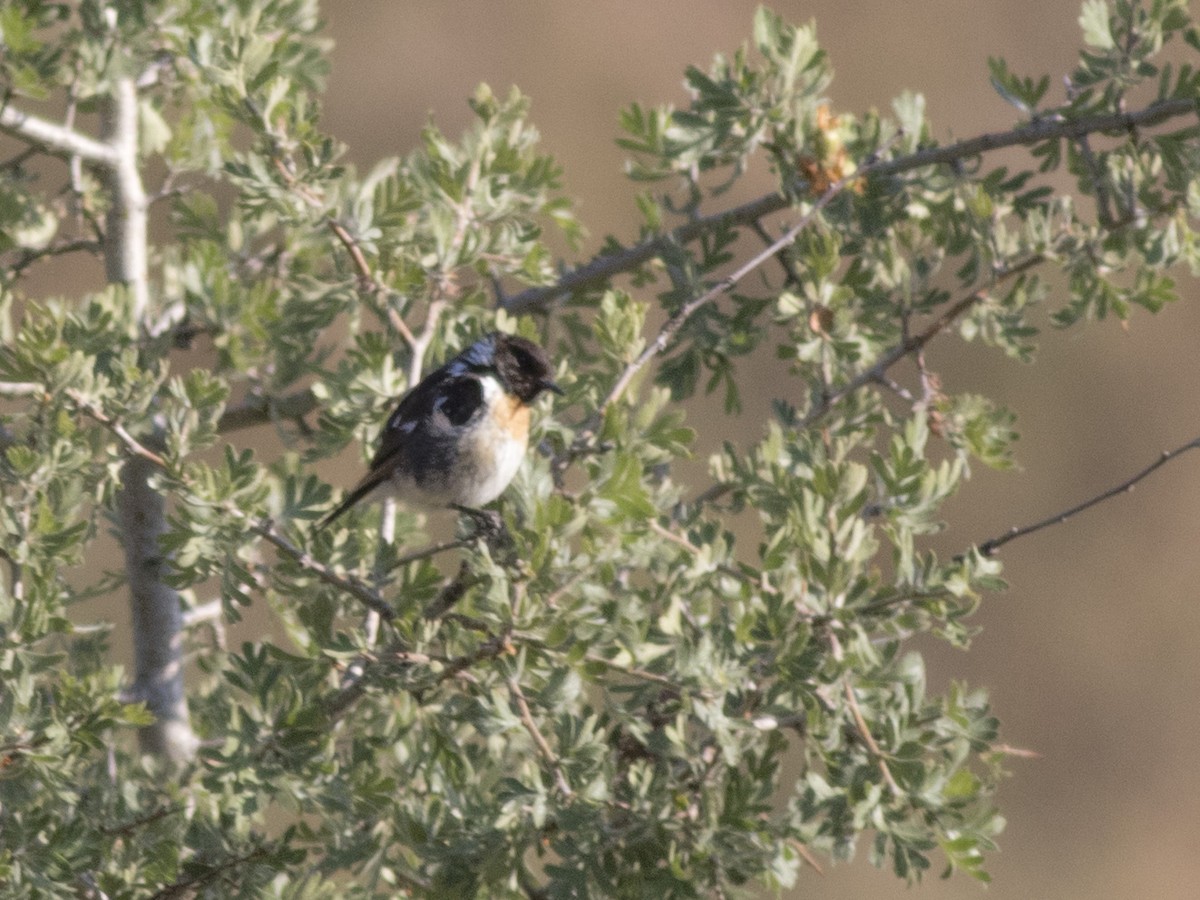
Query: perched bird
[457, 438]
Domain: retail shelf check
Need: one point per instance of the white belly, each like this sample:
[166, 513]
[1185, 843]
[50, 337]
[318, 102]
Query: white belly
[489, 456]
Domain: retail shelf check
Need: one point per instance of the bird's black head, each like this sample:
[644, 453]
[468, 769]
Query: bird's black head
[523, 367]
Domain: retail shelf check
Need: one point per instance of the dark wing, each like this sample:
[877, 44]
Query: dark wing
[420, 434]
[445, 400]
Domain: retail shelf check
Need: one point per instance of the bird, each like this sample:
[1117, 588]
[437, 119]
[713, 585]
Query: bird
[457, 439]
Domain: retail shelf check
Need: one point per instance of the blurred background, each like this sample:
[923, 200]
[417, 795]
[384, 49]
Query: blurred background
[1092, 657]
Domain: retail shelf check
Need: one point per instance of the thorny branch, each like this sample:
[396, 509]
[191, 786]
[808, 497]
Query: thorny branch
[606, 266]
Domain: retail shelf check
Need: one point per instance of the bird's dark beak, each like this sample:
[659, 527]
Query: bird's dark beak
[547, 384]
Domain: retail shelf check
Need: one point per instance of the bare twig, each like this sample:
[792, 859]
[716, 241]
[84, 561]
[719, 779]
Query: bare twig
[807, 856]
[632, 671]
[865, 733]
[989, 547]
[190, 886]
[125, 829]
[606, 266]
[365, 276]
[791, 274]
[431, 550]
[397, 653]
[367, 282]
[15, 162]
[602, 268]
[681, 541]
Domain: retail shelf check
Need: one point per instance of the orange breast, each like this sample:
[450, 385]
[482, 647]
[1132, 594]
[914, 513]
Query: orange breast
[513, 416]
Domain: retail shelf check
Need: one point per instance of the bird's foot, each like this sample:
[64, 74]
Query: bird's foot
[489, 527]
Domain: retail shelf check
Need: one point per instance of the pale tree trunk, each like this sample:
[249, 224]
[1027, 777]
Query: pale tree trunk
[157, 617]
[157, 614]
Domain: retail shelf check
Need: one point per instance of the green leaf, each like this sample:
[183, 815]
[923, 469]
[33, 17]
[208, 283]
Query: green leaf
[1094, 20]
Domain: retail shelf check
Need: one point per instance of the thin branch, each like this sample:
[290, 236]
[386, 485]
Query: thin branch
[911, 344]
[14, 163]
[806, 855]
[989, 547]
[539, 739]
[190, 887]
[1045, 129]
[680, 317]
[632, 671]
[448, 597]
[397, 653]
[860, 723]
[431, 550]
[365, 276]
[348, 583]
[261, 410]
[791, 274]
[864, 731]
[28, 256]
[367, 283]
[604, 267]
[12, 390]
[125, 829]
[681, 541]
[132, 445]
[58, 140]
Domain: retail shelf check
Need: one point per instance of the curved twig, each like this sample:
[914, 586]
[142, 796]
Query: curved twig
[989, 547]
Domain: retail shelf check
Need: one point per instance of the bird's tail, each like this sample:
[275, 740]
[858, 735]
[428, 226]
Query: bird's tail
[364, 487]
